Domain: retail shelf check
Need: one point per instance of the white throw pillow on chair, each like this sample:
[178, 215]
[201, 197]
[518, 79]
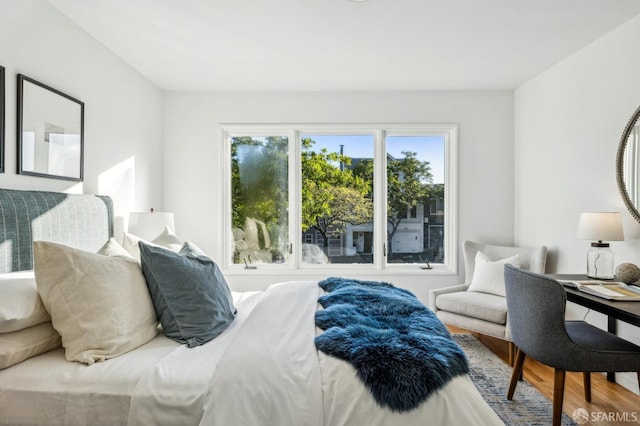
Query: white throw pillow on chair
[488, 275]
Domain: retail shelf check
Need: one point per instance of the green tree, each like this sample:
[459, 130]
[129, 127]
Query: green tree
[437, 191]
[345, 206]
[409, 183]
[364, 170]
[332, 195]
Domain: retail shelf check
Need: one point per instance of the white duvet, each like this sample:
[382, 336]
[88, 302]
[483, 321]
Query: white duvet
[263, 370]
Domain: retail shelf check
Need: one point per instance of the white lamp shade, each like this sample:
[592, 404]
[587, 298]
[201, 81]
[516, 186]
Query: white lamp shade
[149, 225]
[600, 226]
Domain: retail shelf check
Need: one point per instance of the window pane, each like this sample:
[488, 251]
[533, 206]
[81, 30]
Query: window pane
[415, 199]
[337, 199]
[259, 188]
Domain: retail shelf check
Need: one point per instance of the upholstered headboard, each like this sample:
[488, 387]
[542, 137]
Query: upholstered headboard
[77, 220]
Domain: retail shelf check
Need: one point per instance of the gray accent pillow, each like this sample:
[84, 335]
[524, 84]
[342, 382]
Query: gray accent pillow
[189, 292]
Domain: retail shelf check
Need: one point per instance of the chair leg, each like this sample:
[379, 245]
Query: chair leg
[521, 376]
[586, 379]
[516, 373]
[558, 396]
[512, 352]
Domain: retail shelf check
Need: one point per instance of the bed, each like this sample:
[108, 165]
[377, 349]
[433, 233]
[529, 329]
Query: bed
[264, 368]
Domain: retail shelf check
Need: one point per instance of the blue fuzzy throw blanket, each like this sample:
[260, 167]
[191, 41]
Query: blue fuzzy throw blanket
[399, 348]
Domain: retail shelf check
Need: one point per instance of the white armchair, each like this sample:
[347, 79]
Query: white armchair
[478, 311]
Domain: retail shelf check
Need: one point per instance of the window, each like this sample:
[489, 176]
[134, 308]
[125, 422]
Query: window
[260, 199]
[337, 194]
[356, 196]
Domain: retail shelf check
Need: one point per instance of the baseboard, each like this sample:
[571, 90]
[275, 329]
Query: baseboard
[628, 381]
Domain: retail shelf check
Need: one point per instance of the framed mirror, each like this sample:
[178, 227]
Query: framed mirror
[628, 165]
[2, 118]
[50, 132]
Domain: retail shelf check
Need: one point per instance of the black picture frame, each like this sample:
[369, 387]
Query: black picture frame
[50, 132]
[2, 118]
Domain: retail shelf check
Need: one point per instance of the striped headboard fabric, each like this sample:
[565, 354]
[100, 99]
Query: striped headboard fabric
[77, 220]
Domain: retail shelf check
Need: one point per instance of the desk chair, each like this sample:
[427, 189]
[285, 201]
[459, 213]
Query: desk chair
[536, 307]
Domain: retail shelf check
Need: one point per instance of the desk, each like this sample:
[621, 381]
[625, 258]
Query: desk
[614, 309]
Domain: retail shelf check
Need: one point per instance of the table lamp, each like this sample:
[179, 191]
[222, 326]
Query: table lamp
[600, 226]
[149, 225]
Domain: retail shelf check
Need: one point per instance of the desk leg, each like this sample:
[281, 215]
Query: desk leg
[611, 328]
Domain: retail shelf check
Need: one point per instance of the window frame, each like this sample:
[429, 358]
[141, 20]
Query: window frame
[294, 132]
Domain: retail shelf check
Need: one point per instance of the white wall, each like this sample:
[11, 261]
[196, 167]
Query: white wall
[123, 110]
[193, 161]
[568, 123]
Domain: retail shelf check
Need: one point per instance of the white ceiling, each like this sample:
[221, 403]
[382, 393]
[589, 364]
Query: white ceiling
[344, 45]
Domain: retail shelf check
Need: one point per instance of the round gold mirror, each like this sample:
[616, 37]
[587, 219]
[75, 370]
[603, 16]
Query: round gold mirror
[628, 165]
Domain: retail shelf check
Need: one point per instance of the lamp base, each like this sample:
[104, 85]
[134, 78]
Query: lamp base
[600, 261]
[609, 278]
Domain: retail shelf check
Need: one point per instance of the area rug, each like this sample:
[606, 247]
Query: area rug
[491, 377]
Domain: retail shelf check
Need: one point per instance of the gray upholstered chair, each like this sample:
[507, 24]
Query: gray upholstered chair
[480, 312]
[536, 305]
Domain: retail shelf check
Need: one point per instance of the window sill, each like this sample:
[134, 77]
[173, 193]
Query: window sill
[335, 270]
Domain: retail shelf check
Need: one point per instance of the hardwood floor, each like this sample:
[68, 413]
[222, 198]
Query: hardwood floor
[611, 404]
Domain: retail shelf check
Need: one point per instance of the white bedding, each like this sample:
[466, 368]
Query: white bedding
[263, 370]
[48, 389]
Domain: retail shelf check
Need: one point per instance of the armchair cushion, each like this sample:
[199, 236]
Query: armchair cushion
[484, 306]
[434, 294]
[488, 276]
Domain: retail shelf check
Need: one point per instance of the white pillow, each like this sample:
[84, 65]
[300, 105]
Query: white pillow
[112, 248]
[166, 239]
[19, 345]
[20, 304]
[100, 305]
[488, 276]
[130, 244]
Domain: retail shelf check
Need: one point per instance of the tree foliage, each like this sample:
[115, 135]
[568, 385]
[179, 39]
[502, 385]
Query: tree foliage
[332, 195]
[259, 179]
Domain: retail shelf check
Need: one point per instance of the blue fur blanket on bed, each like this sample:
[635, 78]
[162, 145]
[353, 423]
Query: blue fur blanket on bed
[399, 348]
